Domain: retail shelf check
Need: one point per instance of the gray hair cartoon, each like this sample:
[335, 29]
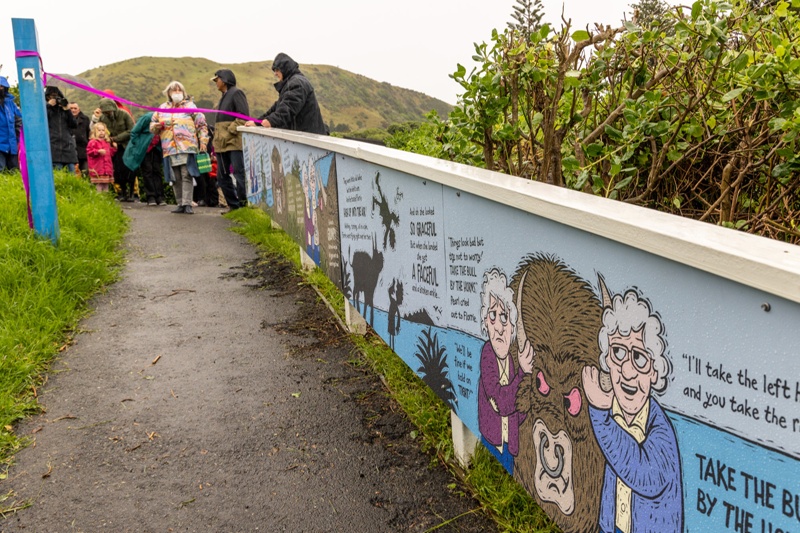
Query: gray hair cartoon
[631, 312]
[495, 284]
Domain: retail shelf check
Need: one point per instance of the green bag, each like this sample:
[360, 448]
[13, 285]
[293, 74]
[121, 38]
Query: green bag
[203, 162]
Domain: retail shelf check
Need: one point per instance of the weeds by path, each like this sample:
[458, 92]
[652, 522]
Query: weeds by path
[44, 288]
[504, 499]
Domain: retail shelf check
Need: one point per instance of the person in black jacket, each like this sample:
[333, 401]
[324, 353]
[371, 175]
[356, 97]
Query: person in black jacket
[81, 136]
[62, 126]
[228, 140]
[296, 108]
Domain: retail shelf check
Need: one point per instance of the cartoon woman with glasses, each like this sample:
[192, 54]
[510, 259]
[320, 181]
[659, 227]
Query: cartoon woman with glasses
[498, 418]
[642, 481]
[620, 353]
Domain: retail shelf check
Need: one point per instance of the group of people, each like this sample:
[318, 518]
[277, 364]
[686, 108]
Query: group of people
[296, 109]
[171, 144]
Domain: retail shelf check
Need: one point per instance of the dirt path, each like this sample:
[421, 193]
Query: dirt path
[196, 399]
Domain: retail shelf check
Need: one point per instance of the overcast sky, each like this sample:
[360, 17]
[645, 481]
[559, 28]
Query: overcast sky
[413, 44]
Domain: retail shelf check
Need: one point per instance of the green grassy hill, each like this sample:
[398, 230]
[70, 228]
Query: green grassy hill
[348, 99]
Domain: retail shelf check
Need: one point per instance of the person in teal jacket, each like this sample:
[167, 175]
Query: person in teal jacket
[144, 155]
[10, 123]
[141, 136]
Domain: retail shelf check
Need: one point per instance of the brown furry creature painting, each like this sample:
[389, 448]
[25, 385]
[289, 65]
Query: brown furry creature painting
[559, 461]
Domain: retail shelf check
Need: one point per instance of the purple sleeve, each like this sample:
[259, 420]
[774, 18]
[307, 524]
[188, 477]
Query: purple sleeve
[505, 396]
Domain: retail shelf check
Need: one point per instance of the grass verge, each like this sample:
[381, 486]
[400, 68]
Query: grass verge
[499, 495]
[44, 288]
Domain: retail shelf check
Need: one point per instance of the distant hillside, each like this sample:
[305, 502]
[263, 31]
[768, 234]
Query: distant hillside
[348, 101]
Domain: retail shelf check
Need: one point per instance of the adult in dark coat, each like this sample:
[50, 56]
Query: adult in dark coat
[297, 108]
[62, 127]
[81, 136]
[228, 140]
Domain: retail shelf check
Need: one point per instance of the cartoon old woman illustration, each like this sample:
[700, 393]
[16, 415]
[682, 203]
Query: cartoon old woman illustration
[642, 481]
[498, 418]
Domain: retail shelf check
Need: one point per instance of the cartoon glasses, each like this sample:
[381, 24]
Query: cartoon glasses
[639, 358]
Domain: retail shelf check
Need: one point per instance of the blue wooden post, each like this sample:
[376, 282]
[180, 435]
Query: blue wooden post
[37, 136]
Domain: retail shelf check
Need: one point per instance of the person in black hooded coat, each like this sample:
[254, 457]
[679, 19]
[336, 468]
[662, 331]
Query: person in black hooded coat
[228, 141]
[62, 128]
[297, 108]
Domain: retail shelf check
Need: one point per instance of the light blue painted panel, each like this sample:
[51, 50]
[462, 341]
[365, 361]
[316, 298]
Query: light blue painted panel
[297, 186]
[708, 364]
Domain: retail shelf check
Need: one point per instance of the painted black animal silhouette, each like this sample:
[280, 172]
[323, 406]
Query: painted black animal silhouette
[389, 218]
[366, 270]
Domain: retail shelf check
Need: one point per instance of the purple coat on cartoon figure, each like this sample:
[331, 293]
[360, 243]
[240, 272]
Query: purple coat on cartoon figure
[651, 469]
[489, 421]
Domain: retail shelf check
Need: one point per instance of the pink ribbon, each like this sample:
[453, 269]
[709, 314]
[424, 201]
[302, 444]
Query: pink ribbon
[21, 155]
[23, 169]
[148, 108]
[45, 75]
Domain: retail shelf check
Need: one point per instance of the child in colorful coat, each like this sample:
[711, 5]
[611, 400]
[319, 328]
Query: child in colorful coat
[99, 153]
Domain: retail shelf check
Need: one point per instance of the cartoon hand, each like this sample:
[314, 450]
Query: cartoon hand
[526, 356]
[594, 393]
[494, 405]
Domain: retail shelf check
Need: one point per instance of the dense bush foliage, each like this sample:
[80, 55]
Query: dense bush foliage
[695, 112]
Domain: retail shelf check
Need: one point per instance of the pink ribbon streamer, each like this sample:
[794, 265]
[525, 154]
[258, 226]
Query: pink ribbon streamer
[23, 169]
[45, 75]
[21, 155]
[148, 108]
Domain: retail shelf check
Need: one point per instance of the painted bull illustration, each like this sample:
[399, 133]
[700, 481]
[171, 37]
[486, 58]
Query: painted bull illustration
[559, 461]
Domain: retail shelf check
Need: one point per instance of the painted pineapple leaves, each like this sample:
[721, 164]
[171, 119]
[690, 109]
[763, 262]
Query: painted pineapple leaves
[433, 369]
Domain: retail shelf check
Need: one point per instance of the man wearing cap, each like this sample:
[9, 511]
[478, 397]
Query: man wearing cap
[228, 140]
[10, 124]
[297, 108]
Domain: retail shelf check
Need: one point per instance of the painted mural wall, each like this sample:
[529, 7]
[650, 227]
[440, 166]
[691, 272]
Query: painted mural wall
[624, 391]
[297, 186]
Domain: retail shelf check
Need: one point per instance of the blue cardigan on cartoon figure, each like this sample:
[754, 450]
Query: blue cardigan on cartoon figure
[651, 469]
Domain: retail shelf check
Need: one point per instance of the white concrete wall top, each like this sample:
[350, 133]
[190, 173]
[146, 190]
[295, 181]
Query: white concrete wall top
[765, 264]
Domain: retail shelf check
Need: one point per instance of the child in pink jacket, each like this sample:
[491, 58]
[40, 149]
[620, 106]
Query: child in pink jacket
[98, 153]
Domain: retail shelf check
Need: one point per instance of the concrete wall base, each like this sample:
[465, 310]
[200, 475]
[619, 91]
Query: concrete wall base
[355, 322]
[305, 260]
[464, 440]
